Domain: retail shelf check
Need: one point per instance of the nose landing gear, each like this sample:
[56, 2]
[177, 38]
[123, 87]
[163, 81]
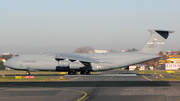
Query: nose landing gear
[27, 73]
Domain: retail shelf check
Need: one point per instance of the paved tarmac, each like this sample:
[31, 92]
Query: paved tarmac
[105, 86]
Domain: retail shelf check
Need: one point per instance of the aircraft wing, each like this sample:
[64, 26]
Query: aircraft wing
[83, 59]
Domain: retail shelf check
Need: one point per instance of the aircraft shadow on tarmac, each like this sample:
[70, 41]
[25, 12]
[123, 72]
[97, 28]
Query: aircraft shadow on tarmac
[87, 84]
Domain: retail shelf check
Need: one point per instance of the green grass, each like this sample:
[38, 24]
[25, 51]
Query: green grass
[157, 72]
[12, 79]
[174, 78]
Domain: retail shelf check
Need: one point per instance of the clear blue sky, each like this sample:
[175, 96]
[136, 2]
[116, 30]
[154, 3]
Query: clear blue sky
[33, 26]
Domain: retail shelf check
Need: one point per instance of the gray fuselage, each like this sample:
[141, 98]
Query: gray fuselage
[47, 62]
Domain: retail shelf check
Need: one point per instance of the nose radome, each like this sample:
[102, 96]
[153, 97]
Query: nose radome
[11, 63]
[5, 63]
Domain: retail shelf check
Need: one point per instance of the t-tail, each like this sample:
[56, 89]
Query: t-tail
[156, 41]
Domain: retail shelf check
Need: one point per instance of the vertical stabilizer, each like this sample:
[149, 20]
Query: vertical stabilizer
[156, 41]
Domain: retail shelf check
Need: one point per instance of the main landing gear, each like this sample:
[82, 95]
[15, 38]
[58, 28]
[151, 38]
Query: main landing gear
[86, 72]
[74, 72]
[27, 73]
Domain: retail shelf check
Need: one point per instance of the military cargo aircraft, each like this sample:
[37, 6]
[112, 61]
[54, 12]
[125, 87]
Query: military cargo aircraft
[86, 62]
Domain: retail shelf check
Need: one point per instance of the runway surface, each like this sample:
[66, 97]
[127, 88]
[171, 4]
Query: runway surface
[104, 86]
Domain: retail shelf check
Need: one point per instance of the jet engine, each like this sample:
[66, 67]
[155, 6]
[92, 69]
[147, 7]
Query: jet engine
[64, 63]
[75, 65]
[96, 66]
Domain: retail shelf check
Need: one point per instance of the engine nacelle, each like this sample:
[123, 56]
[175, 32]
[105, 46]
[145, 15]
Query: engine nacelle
[64, 63]
[96, 66]
[75, 65]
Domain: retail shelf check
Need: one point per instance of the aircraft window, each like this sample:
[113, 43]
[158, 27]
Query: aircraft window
[16, 55]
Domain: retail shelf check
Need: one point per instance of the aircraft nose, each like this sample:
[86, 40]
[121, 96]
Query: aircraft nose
[6, 63]
[11, 63]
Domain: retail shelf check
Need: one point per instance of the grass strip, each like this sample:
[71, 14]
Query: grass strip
[157, 72]
[12, 79]
[174, 78]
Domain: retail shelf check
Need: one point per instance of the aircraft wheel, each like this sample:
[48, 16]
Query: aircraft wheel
[82, 72]
[87, 72]
[70, 73]
[73, 72]
[28, 73]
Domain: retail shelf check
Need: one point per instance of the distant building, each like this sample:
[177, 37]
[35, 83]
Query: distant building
[164, 61]
[172, 66]
[99, 51]
[141, 67]
[174, 58]
[123, 50]
[5, 53]
[169, 52]
[174, 52]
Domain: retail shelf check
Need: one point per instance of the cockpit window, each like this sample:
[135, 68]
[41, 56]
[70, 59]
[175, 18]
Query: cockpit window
[16, 55]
